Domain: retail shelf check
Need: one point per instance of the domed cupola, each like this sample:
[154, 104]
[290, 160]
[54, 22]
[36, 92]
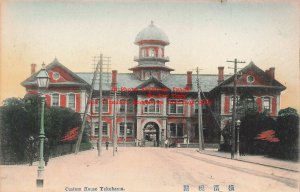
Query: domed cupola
[151, 34]
[151, 60]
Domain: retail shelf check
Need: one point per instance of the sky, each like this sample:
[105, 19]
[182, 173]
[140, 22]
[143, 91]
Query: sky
[201, 33]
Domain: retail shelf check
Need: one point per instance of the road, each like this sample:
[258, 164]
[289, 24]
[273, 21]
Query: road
[148, 169]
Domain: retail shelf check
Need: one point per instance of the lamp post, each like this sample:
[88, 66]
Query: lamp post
[238, 123]
[42, 82]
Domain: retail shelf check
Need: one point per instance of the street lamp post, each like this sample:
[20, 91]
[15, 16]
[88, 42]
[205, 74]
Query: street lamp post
[238, 123]
[42, 82]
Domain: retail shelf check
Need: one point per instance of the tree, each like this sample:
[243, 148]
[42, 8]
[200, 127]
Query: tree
[288, 133]
[257, 133]
[20, 120]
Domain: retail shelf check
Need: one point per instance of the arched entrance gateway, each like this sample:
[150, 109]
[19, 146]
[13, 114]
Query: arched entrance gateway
[151, 134]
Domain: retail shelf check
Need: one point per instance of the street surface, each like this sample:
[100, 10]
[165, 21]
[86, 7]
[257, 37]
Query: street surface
[148, 169]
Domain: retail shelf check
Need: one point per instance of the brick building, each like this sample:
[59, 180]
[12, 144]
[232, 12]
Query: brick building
[157, 103]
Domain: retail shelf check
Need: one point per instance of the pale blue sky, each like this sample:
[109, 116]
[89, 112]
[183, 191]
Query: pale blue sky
[201, 34]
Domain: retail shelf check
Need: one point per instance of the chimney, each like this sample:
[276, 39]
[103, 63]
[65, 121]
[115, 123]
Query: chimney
[271, 72]
[189, 81]
[220, 75]
[33, 68]
[114, 74]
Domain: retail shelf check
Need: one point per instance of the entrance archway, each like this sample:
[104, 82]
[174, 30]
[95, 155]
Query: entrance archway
[151, 134]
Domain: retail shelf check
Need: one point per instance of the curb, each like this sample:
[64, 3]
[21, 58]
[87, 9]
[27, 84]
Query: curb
[215, 155]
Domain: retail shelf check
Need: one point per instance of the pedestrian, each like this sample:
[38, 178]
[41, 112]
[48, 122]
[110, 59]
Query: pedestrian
[30, 149]
[46, 151]
[166, 143]
[106, 144]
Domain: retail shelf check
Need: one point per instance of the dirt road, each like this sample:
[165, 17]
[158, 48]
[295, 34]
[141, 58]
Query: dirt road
[148, 169]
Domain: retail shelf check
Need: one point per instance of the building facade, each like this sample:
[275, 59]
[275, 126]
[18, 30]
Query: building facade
[154, 103]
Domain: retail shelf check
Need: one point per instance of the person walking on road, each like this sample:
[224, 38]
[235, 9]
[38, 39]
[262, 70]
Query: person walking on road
[106, 145]
[166, 143]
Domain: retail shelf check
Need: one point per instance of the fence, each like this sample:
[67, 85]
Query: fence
[8, 157]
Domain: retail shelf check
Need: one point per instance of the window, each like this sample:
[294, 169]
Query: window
[203, 106]
[151, 106]
[96, 128]
[55, 100]
[71, 101]
[231, 102]
[157, 106]
[266, 104]
[122, 105]
[104, 129]
[56, 75]
[250, 79]
[104, 105]
[143, 52]
[126, 104]
[130, 106]
[152, 52]
[129, 127]
[176, 130]
[196, 106]
[176, 106]
[204, 128]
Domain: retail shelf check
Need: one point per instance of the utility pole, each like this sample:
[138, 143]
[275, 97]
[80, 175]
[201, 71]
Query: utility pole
[88, 102]
[234, 108]
[114, 122]
[125, 122]
[85, 111]
[200, 126]
[100, 108]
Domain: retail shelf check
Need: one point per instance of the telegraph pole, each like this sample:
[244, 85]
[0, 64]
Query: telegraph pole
[125, 122]
[100, 108]
[200, 126]
[234, 107]
[114, 123]
[85, 111]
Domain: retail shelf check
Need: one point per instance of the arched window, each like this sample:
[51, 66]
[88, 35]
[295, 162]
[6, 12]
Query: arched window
[152, 52]
[151, 106]
[146, 106]
[157, 106]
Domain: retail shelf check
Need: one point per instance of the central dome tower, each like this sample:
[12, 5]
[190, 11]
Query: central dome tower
[151, 60]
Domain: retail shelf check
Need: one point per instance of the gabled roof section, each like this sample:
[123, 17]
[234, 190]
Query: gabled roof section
[70, 79]
[154, 81]
[268, 81]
